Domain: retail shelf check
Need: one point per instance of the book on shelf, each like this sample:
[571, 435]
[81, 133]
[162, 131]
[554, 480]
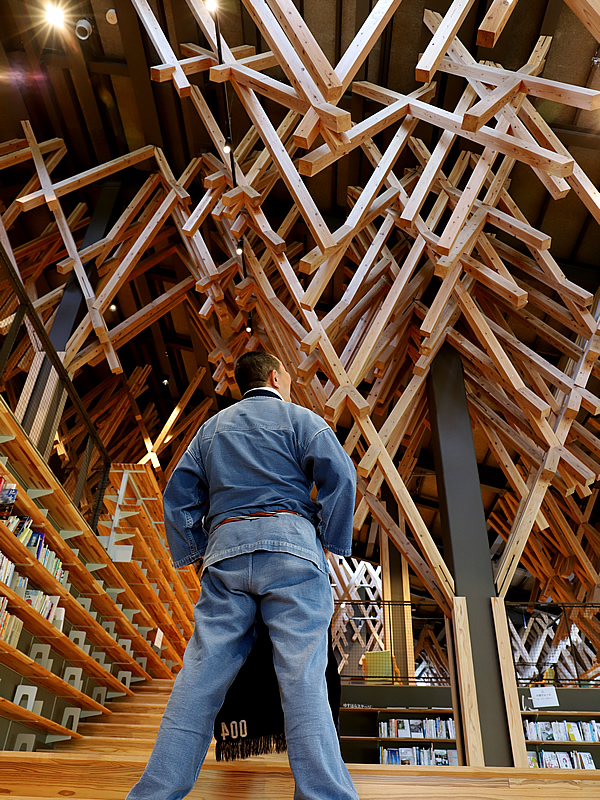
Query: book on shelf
[8, 495]
[583, 760]
[19, 584]
[549, 759]
[416, 728]
[10, 629]
[532, 759]
[573, 732]
[7, 569]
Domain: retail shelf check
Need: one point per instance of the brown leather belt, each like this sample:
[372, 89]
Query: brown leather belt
[255, 515]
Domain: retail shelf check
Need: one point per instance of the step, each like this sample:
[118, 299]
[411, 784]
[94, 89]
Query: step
[157, 685]
[148, 718]
[99, 776]
[108, 744]
[138, 700]
[121, 730]
[128, 708]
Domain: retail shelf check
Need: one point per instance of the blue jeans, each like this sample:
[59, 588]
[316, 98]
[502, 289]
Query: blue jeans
[296, 605]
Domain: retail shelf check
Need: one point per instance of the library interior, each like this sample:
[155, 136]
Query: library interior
[399, 200]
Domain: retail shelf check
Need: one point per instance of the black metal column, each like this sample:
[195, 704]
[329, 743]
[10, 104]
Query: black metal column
[465, 540]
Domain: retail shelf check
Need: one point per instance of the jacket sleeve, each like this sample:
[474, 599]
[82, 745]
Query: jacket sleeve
[326, 462]
[185, 503]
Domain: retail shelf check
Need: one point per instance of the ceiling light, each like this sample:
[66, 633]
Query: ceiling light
[227, 147]
[55, 16]
[112, 307]
[83, 29]
[212, 5]
[165, 380]
[111, 16]
[239, 248]
[249, 323]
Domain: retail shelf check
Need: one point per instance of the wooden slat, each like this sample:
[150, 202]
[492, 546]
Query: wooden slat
[467, 686]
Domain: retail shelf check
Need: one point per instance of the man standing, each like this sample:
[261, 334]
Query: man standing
[240, 498]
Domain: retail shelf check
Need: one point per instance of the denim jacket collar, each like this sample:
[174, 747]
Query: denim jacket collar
[260, 392]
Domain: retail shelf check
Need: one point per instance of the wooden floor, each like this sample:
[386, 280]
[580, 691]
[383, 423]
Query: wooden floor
[108, 760]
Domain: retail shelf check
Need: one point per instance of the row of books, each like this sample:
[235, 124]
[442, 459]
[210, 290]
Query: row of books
[44, 604]
[438, 728]
[418, 756]
[7, 570]
[560, 759]
[10, 626]
[34, 542]
[562, 731]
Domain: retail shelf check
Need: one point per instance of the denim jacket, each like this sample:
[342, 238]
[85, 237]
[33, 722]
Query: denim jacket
[262, 454]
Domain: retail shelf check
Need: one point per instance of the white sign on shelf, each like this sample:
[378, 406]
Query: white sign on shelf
[544, 696]
[158, 638]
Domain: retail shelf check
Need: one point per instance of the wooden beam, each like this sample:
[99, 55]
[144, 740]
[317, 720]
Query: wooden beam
[493, 24]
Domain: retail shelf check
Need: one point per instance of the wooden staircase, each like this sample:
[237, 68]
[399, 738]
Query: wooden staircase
[132, 726]
[106, 762]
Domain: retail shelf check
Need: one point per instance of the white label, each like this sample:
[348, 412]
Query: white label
[543, 696]
[158, 638]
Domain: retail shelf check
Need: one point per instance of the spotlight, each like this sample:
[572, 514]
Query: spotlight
[112, 307]
[239, 248]
[249, 323]
[55, 16]
[227, 147]
[165, 380]
[212, 6]
[83, 29]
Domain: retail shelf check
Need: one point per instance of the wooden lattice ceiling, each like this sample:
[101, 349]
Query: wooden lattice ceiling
[386, 204]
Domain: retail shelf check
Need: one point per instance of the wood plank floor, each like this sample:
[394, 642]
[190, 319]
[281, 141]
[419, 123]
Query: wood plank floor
[112, 754]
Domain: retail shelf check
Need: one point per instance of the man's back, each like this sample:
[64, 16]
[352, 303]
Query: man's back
[262, 455]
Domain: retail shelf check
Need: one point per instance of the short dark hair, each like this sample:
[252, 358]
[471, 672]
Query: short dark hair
[253, 369]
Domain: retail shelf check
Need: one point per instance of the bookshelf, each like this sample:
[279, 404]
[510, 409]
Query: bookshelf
[550, 732]
[363, 726]
[364, 708]
[35, 672]
[17, 713]
[125, 618]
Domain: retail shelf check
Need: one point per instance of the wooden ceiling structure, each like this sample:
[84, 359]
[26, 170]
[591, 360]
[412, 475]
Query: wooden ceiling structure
[404, 175]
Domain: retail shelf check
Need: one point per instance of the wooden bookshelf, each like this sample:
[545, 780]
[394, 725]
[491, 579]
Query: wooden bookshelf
[19, 714]
[406, 739]
[58, 515]
[559, 714]
[550, 742]
[25, 666]
[155, 599]
[74, 611]
[359, 730]
[46, 632]
[143, 493]
[120, 592]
